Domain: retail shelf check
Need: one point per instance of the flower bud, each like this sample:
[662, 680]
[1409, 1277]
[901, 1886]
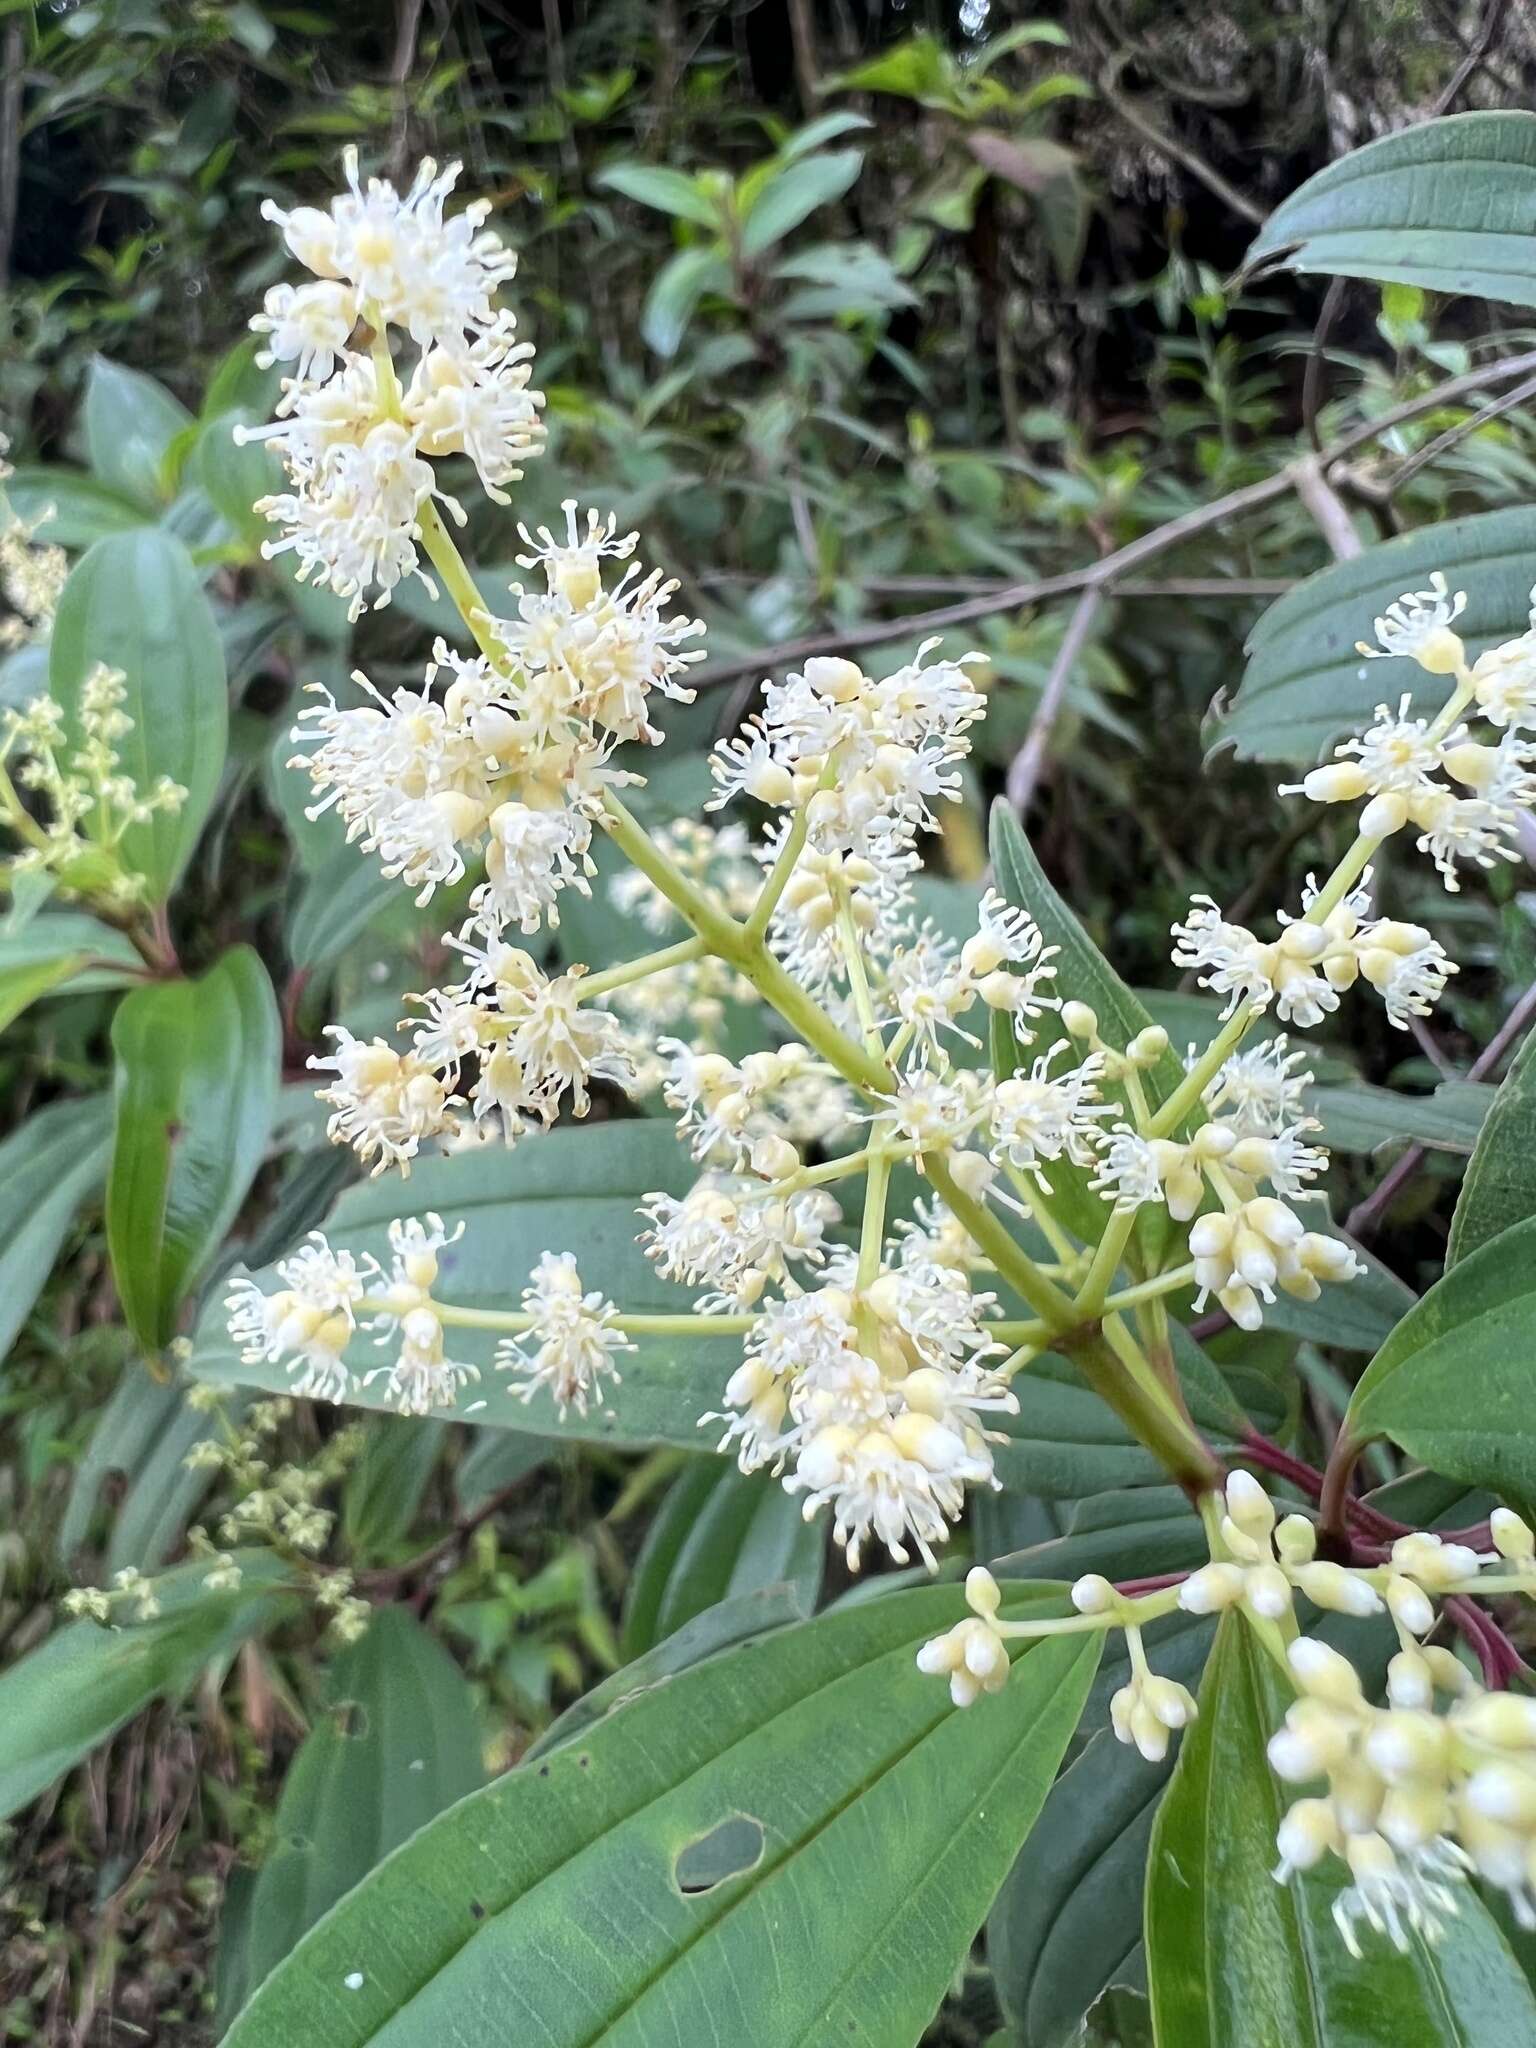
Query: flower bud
[983, 1595]
[1094, 1594]
[1211, 1589]
[1267, 1592]
[1323, 1674]
[1340, 1591]
[1512, 1537]
[1410, 1606]
[1305, 1836]
[1147, 1047]
[774, 1158]
[1295, 1540]
[1339, 782]
[1384, 815]
[1079, 1021]
[1249, 1505]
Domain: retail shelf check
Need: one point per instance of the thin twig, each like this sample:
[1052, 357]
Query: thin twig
[1109, 568]
[1024, 769]
[1167, 145]
[1329, 513]
[1365, 1215]
[1433, 450]
[1317, 359]
[1474, 57]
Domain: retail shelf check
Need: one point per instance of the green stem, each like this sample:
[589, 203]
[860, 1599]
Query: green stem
[1189, 1091]
[1137, 1396]
[1094, 1292]
[628, 971]
[778, 880]
[872, 1228]
[517, 1324]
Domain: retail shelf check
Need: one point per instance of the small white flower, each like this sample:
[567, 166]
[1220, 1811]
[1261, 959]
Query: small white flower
[572, 1346]
[1419, 625]
[1041, 1117]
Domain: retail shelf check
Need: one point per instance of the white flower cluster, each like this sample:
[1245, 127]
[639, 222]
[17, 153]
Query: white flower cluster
[875, 1394]
[1418, 1795]
[358, 449]
[1463, 796]
[328, 1296]
[32, 572]
[512, 761]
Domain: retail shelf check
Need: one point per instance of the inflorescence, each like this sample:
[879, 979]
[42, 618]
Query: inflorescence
[876, 1364]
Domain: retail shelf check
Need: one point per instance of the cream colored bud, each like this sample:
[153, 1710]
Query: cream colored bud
[1339, 782]
[1214, 1141]
[1410, 1681]
[771, 783]
[981, 955]
[972, 1172]
[1267, 1592]
[940, 1654]
[821, 1460]
[1093, 1594]
[1249, 1505]
[1211, 1589]
[1295, 1540]
[983, 1595]
[835, 677]
[1079, 1021]
[999, 991]
[1506, 1719]
[1413, 1814]
[1410, 1606]
[1441, 652]
[1340, 1591]
[1148, 1046]
[1384, 814]
[1505, 1793]
[1303, 941]
[1512, 1537]
[1472, 764]
[1323, 1674]
[1408, 1744]
[774, 1158]
[1307, 1834]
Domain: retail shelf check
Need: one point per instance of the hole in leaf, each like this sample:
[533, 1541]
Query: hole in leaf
[728, 1850]
[351, 1719]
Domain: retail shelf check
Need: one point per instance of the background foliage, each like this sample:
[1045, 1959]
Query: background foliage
[860, 311]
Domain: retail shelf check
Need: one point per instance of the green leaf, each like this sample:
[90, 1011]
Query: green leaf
[1305, 685]
[667, 191]
[49, 1167]
[572, 1189]
[1358, 1118]
[58, 1703]
[1452, 1382]
[794, 193]
[130, 423]
[59, 949]
[812, 1780]
[675, 294]
[1067, 1923]
[67, 508]
[234, 475]
[336, 905]
[1085, 976]
[385, 1485]
[1358, 1316]
[196, 1079]
[718, 1534]
[1500, 1184]
[1447, 205]
[134, 602]
[398, 1742]
[1235, 1960]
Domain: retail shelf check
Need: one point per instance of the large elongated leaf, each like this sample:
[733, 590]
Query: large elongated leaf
[1237, 1961]
[134, 602]
[58, 951]
[399, 1741]
[1447, 205]
[1305, 685]
[72, 1692]
[196, 1080]
[1357, 1117]
[130, 423]
[1084, 976]
[675, 293]
[791, 195]
[49, 1168]
[667, 190]
[1500, 1185]
[720, 1533]
[67, 508]
[789, 1845]
[1067, 1924]
[563, 1190]
[1452, 1383]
